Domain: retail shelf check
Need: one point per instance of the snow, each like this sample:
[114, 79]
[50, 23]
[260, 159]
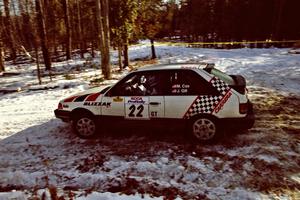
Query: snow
[272, 68]
[18, 195]
[39, 152]
[109, 196]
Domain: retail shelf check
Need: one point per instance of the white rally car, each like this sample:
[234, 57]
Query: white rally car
[198, 96]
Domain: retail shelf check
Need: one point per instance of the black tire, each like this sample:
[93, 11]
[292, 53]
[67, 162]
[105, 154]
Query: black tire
[204, 129]
[84, 125]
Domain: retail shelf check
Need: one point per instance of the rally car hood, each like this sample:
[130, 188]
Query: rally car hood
[92, 90]
[96, 91]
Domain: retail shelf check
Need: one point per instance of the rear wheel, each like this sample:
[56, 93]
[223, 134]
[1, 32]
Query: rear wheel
[85, 126]
[204, 129]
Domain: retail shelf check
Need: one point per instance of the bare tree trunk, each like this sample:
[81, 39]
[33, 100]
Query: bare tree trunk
[120, 57]
[106, 57]
[68, 29]
[79, 28]
[38, 64]
[278, 19]
[2, 69]
[9, 33]
[35, 42]
[103, 37]
[26, 26]
[152, 49]
[42, 33]
[93, 50]
[27, 53]
[99, 27]
[125, 52]
[16, 27]
[51, 22]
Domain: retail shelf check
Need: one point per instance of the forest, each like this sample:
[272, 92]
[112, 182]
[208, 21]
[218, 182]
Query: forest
[60, 28]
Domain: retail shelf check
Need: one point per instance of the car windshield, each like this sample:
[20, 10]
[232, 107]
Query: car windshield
[221, 75]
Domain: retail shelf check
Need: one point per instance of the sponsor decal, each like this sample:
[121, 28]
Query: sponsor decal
[86, 97]
[93, 97]
[106, 104]
[118, 99]
[180, 88]
[81, 98]
[138, 100]
[222, 103]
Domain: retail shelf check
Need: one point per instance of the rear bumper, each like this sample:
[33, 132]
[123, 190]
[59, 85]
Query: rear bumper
[62, 114]
[241, 123]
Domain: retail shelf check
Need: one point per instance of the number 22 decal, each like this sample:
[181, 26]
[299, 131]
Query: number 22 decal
[139, 109]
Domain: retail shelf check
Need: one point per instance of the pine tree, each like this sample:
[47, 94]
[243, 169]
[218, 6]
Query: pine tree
[124, 15]
[154, 20]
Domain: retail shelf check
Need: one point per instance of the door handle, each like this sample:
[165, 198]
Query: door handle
[154, 103]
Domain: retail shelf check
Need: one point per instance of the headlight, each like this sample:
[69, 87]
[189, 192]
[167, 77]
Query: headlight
[60, 106]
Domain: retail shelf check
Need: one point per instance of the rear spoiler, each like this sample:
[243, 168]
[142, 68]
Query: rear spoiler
[206, 65]
[209, 67]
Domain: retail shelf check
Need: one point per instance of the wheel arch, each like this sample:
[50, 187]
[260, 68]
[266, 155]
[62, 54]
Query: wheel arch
[204, 115]
[80, 111]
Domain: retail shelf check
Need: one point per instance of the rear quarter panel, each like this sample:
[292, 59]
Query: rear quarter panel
[177, 106]
[228, 107]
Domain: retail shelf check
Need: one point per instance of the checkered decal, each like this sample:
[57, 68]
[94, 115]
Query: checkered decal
[220, 85]
[206, 104]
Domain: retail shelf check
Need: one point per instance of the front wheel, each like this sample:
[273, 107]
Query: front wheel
[203, 129]
[85, 126]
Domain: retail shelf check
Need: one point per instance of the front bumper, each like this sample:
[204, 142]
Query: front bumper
[63, 115]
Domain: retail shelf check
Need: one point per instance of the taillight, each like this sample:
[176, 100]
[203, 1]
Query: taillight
[60, 106]
[243, 108]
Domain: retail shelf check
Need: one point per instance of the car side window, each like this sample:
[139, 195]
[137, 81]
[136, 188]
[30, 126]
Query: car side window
[139, 84]
[188, 82]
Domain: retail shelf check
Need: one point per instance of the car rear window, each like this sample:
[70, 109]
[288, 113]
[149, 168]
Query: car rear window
[221, 75]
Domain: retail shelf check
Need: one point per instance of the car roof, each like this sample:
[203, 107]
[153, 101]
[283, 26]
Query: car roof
[174, 66]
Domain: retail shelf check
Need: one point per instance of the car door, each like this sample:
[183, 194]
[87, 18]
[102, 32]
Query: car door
[156, 90]
[115, 97]
[136, 97]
